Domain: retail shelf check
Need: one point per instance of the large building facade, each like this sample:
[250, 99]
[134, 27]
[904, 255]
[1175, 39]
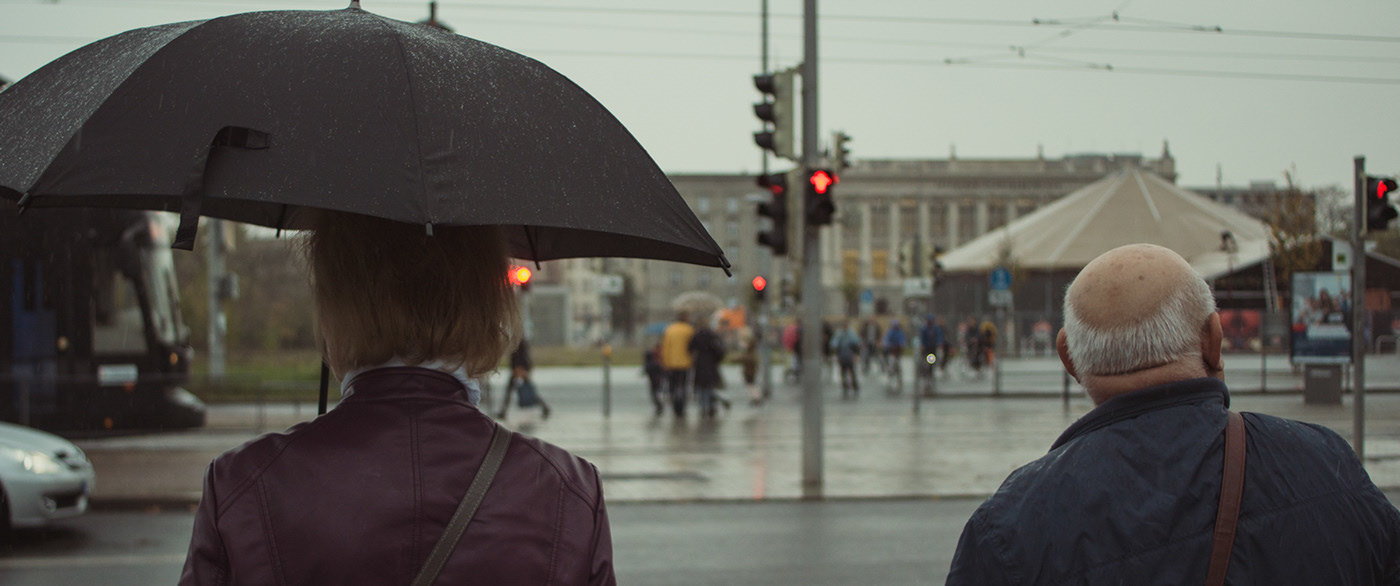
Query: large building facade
[887, 211]
[884, 207]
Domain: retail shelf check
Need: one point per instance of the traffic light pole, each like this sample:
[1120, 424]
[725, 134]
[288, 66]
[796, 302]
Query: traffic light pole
[764, 325]
[812, 302]
[1358, 311]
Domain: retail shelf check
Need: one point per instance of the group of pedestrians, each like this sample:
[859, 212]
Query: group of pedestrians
[882, 350]
[686, 362]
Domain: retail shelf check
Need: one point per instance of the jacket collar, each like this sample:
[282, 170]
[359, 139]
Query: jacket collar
[406, 382]
[1130, 405]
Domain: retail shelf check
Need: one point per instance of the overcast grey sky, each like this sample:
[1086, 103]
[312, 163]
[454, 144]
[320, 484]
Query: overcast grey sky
[1286, 84]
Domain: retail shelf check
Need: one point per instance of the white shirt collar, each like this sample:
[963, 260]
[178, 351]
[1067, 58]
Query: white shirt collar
[458, 372]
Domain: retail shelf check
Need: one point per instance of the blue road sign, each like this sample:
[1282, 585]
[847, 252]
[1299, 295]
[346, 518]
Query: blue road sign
[1000, 279]
[867, 296]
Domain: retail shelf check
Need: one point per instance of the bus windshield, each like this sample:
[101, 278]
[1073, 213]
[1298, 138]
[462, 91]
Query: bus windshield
[134, 287]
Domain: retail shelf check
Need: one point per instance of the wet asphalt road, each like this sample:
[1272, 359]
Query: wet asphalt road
[792, 542]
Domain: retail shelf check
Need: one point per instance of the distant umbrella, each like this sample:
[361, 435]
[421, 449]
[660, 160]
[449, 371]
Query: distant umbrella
[699, 304]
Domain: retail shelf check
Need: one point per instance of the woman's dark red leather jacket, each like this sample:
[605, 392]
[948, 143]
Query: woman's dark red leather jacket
[361, 494]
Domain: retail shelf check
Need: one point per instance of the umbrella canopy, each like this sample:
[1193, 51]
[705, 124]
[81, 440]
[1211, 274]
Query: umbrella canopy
[699, 304]
[252, 116]
[1127, 207]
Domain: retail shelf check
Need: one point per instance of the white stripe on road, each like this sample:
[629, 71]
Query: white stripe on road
[40, 563]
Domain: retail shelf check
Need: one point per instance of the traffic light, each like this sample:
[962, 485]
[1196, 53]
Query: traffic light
[840, 153]
[520, 277]
[1379, 212]
[776, 210]
[776, 112]
[820, 208]
[760, 284]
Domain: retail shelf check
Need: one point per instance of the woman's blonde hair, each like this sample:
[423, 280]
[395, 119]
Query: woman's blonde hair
[386, 289]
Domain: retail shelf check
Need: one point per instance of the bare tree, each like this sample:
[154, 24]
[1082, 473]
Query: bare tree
[1294, 242]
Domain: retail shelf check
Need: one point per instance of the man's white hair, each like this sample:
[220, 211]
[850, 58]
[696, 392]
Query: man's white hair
[1170, 334]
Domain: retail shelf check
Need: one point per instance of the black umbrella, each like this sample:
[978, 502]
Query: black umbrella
[251, 116]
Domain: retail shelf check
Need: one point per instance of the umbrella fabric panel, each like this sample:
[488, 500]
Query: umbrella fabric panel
[524, 142]
[154, 132]
[350, 111]
[58, 98]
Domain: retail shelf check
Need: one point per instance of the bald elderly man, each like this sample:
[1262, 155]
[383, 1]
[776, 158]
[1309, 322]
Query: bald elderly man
[1128, 494]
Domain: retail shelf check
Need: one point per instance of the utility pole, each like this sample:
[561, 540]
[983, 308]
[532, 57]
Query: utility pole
[764, 318]
[216, 257]
[1358, 310]
[812, 298]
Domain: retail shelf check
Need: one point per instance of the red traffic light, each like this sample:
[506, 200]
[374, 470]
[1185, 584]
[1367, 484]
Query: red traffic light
[822, 180]
[1384, 187]
[759, 283]
[519, 275]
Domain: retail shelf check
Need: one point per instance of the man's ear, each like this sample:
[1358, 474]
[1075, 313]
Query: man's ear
[1211, 339]
[1062, 347]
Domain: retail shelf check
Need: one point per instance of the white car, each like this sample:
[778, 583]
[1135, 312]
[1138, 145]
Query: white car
[42, 477]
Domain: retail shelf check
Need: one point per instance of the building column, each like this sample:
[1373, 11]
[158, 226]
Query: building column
[892, 274]
[925, 234]
[953, 221]
[982, 217]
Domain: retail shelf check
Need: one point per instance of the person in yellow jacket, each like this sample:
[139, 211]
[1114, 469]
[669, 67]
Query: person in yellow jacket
[677, 361]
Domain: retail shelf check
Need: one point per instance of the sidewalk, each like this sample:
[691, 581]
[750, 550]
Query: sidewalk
[962, 443]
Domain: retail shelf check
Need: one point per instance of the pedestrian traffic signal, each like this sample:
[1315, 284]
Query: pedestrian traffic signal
[776, 112]
[1379, 211]
[775, 209]
[820, 208]
[840, 153]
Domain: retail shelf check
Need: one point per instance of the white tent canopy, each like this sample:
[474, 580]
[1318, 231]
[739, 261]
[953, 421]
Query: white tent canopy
[1124, 208]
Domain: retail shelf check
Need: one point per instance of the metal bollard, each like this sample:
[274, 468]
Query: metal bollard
[607, 380]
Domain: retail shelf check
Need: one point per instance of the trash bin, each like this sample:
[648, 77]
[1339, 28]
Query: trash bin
[1322, 384]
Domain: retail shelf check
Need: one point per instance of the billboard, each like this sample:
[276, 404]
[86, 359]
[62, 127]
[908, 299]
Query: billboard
[1321, 318]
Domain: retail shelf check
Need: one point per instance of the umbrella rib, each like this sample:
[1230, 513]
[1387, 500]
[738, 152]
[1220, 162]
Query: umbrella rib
[281, 218]
[530, 239]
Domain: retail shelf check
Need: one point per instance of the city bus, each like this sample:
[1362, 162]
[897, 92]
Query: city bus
[91, 336]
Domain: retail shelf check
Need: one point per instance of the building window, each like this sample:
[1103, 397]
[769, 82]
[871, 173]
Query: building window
[996, 216]
[879, 264]
[967, 222]
[704, 279]
[938, 222]
[732, 229]
[879, 226]
[850, 266]
[675, 277]
[732, 205]
[702, 206]
[908, 221]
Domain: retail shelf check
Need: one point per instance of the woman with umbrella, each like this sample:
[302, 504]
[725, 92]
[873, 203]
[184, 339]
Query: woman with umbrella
[441, 156]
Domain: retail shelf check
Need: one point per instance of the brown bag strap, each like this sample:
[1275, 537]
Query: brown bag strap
[1231, 491]
[466, 509]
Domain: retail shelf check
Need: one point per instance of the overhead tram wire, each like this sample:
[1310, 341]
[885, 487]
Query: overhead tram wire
[1128, 24]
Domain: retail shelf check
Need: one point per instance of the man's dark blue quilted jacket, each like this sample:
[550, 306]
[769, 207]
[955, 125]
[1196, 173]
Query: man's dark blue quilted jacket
[1128, 495]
